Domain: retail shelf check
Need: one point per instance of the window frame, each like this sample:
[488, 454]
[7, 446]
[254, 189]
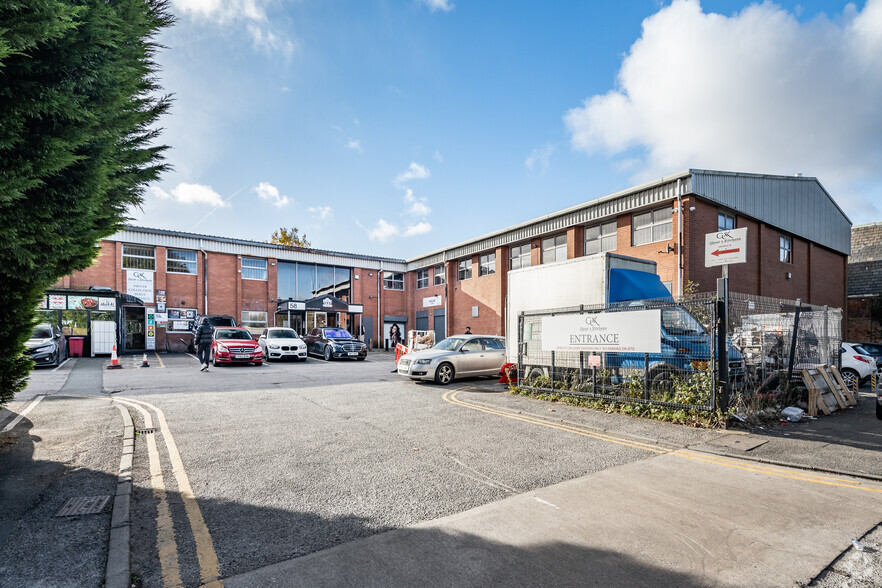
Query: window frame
[390, 281]
[152, 257]
[603, 237]
[487, 264]
[556, 247]
[254, 268]
[439, 278]
[524, 253]
[245, 323]
[464, 269]
[653, 224]
[185, 262]
[785, 249]
[725, 216]
[422, 276]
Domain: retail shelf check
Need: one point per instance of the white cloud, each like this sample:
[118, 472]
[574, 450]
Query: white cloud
[416, 206]
[757, 91]
[539, 158]
[190, 194]
[438, 157]
[269, 192]
[322, 212]
[414, 172]
[355, 145]
[417, 229]
[442, 5]
[270, 42]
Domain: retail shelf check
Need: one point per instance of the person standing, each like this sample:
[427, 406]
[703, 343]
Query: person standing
[468, 331]
[203, 339]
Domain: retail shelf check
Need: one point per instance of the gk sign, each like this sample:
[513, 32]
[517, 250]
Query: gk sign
[637, 331]
[725, 247]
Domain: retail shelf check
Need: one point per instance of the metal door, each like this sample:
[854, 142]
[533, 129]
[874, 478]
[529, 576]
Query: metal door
[422, 323]
[440, 327]
[367, 322]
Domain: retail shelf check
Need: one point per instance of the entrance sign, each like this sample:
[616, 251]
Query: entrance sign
[638, 331]
[725, 247]
[139, 283]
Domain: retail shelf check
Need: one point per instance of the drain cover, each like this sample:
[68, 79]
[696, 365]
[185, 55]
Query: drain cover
[145, 431]
[83, 505]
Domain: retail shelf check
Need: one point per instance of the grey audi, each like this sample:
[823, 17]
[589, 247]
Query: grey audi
[454, 357]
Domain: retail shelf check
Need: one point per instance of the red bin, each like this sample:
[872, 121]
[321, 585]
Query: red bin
[75, 346]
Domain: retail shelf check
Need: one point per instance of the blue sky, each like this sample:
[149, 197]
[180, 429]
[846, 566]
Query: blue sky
[397, 128]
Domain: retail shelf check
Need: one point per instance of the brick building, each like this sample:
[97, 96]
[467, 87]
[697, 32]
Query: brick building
[865, 284]
[798, 241]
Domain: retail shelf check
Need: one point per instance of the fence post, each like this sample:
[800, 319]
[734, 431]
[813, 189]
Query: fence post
[723, 341]
[521, 374]
[645, 376]
[552, 370]
[793, 341]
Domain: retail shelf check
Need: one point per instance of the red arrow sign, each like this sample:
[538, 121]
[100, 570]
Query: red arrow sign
[719, 252]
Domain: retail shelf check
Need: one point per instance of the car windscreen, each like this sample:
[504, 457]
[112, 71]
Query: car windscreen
[232, 334]
[677, 321]
[450, 344]
[42, 333]
[337, 334]
[281, 334]
[220, 321]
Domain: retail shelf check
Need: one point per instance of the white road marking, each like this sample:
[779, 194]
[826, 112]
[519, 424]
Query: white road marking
[58, 367]
[545, 502]
[23, 414]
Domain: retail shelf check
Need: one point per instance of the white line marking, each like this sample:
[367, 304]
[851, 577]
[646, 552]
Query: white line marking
[58, 367]
[23, 414]
[545, 502]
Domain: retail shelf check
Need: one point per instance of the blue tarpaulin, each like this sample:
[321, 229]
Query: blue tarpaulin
[626, 284]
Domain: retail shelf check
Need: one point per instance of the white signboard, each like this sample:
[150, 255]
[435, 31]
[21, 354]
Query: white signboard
[139, 283]
[107, 304]
[57, 301]
[623, 332]
[356, 308]
[429, 301]
[725, 247]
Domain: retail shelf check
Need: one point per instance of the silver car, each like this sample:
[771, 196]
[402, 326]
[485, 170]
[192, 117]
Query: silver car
[454, 357]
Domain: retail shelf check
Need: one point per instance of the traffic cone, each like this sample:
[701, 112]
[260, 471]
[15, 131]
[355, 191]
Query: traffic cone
[144, 363]
[114, 361]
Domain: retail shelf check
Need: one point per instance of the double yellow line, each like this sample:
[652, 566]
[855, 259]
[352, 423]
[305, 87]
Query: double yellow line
[453, 398]
[166, 544]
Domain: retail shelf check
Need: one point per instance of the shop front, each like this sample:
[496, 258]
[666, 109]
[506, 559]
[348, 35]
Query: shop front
[91, 320]
[322, 311]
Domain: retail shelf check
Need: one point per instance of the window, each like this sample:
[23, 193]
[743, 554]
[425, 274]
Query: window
[393, 281]
[139, 257]
[422, 278]
[656, 225]
[253, 269]
[180, 262]
[600, 238]
[487, 264]
[254, 320]
[520, 256]
[554, 249]
[786, 249]
[725, 221]
[439, 275]
[464, 271]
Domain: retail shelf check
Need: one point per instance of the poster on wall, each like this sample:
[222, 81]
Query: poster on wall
[107, 304]
[161, 319]
[151, 329]
[43, 304]
[139, 283]
[57, 301]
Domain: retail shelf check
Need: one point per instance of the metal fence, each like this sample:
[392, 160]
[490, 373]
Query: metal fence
[684, 374]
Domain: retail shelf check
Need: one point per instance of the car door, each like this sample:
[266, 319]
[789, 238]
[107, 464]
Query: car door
[494, 355]
[470, 359]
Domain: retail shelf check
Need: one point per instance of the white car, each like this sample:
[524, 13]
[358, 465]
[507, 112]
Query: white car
[281, 343]
[857, 364]
[454, 357]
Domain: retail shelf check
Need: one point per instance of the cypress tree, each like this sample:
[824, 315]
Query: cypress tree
[79, 96]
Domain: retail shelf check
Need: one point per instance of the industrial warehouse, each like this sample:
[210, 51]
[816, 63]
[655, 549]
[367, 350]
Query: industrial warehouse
[153, 283]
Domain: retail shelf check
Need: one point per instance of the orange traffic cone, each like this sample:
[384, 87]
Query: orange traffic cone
[114, 362]
[144, 363]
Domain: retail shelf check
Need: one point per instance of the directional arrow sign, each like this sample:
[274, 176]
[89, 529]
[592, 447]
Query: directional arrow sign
[725, 247]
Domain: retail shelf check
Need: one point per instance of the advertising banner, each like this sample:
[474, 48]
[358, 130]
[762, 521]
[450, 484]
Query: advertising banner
[623, 332]
[151, 329]
[139, 283]
[107, 304]
[57, 301]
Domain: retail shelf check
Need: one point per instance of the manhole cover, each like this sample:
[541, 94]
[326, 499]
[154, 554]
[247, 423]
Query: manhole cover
[83, 505]
[145, 431]
[741, 442]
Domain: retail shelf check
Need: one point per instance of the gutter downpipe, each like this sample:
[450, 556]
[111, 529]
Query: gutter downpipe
[679, 242]
[446, 296]
[204, 277]
[380, 311]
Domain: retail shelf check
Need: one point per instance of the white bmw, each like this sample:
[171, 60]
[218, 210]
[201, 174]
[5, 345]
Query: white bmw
[281, 343]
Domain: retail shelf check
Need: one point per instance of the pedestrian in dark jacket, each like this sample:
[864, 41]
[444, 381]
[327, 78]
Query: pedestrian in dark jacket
[202, 341]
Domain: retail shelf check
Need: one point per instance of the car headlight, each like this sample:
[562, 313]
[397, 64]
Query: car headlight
[423, 361]
[273, 346]
[45, 348]
[222, 349]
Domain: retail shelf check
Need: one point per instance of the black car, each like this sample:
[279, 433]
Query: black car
[215, 320]
[47, 345]
[330, 342]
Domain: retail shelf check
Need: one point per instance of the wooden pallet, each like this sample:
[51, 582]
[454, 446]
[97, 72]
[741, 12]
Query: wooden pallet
[843, 387]
[827, 390]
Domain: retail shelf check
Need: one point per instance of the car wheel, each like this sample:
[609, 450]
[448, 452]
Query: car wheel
[444, 374]
[327, 353]
[850, 377]
[213, 359]
[258, 363]
[361, 358]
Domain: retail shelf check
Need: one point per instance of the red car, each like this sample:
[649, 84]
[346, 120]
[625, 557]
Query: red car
[234, 345]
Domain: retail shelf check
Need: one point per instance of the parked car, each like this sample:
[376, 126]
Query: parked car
[454, 357]
[215, 320]
[331, 342]
[234, 345]
[874, 349]
[282, 342]
[857, 364]
[47, 345]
